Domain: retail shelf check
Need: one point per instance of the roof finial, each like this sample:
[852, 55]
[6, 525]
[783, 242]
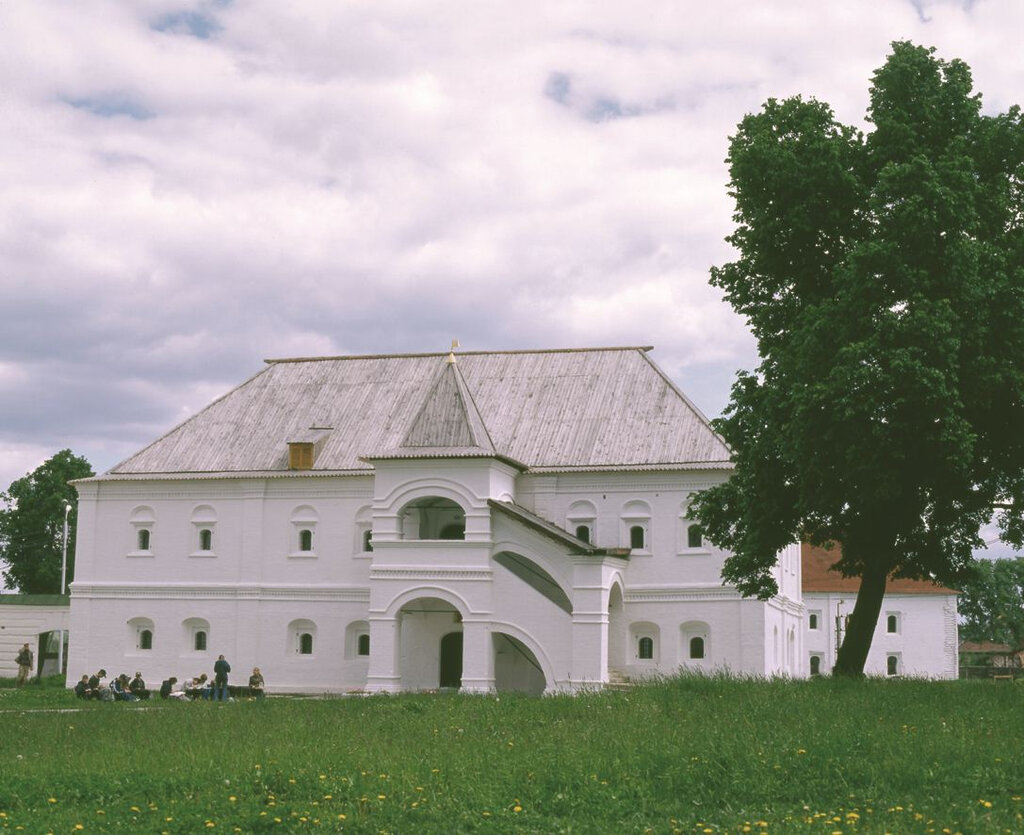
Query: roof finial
[451, 354]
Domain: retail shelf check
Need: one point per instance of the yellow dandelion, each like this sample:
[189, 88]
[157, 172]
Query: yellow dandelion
[210, 824]
[341, 817]
[133, 808]
[328, 796]
[232, 798]
[381, 797]
[517, 809]
[79, 826]
[54, 800]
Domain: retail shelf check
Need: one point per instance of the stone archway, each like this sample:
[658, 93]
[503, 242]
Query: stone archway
[424, 658]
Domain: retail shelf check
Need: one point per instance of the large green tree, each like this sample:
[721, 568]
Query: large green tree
[882, 274]
[992, 602]
[32, 524]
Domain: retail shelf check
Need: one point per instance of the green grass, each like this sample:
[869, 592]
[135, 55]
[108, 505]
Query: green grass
[687, 755]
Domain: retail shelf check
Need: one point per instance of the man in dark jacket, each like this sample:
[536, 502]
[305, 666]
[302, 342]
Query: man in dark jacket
[220, 679]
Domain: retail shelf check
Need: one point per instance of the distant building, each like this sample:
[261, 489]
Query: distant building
[916, 633]
[492, 521]
[36, 620]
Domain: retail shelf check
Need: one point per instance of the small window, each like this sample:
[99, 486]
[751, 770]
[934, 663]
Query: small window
[892, 665]
[812, 620]
[694, 536]
[205, 539]
[305, 644]
[367, 541]
[146, 639]
[199, 640]
[696, 647]
[144, 537]
[583, 533]
[363, 645]
[892, 624]
[305, 540]
[815, 665]
[645, 648]
[636, 537]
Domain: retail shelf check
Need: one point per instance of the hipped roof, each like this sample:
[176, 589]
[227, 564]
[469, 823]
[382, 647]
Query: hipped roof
[560, 410]
[819, 576]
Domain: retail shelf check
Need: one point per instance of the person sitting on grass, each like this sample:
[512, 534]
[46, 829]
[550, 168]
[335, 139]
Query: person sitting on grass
[256, 683]
[138, 687]
[167, 690]
[94, 683]
[82, 688]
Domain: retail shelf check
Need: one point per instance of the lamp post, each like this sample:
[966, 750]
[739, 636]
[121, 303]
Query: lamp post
[63, 576]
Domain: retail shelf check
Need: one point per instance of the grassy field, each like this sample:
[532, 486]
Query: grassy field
[687, 755]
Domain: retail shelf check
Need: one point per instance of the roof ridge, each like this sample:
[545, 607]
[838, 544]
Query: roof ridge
[642, 348]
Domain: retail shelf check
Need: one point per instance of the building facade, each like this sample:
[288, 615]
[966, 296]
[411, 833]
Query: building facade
[488, 521]
[916, 634]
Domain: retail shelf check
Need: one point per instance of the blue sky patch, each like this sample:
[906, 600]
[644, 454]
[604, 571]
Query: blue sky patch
[196, 24]
[109, 105]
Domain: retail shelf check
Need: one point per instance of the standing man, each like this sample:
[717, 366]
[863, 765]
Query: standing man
[25, 665]
[220, 679]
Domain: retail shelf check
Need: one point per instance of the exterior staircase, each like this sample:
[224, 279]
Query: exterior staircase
[617, 680]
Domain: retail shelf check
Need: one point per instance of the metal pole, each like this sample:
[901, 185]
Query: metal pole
[63, 576]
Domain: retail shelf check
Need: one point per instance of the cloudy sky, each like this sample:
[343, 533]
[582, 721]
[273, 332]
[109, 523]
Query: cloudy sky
[189, 186]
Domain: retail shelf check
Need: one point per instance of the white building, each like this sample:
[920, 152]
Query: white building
[916, 634]
[498, 520]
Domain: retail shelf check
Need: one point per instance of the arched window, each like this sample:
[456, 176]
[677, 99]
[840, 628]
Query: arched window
[892, 665]
[636, 537]
[812, 620]
[582, 518]
[143, 519]
[696, 647]
[368, 541]
[644, 637]
[694, 536]
[304, 521]
[691, 536]
[204, 520]
[363, 647]
[302, 636]
[140, 635]
[636, 526]
[815, 665]
[432, 517]
[694, 643]
[892, 623]
[197, 634]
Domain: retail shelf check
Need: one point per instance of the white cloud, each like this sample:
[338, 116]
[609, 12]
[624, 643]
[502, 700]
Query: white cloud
[192, 186]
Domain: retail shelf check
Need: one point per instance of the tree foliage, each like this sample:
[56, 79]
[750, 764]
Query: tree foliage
[882, 275]
[32, 524]
[992, 603]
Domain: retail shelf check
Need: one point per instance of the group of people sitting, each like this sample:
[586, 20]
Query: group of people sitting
[123, 689]
[201, 687]
[120, 689]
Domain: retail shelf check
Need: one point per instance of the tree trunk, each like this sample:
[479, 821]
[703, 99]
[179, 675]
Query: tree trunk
[853, 654]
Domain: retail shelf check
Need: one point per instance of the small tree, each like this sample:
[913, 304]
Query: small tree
[883, 278]
[32, 524]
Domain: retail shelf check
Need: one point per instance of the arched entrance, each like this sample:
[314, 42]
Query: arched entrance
[431, 644]
[616, 631]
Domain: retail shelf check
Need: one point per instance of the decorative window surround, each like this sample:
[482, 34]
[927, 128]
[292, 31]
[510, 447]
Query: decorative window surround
[304, 520]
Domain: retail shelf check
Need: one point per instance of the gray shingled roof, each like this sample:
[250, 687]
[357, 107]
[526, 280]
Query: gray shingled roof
[595, 409]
